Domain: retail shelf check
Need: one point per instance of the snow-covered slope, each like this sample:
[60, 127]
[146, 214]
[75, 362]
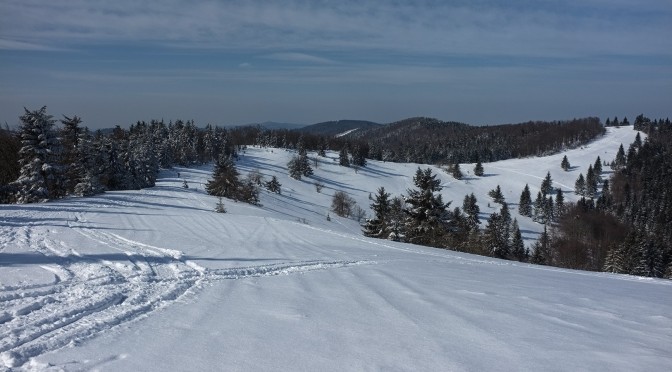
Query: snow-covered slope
[155, 280]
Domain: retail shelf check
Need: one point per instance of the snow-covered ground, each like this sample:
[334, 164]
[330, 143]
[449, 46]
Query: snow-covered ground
[155, 280]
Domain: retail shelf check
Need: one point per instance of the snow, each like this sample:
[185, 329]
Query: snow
[153, 279]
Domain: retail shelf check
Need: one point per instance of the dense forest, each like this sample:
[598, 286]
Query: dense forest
[431, 141]
[622, 224]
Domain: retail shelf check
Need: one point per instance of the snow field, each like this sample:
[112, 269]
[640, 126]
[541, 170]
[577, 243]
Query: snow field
[155, 280]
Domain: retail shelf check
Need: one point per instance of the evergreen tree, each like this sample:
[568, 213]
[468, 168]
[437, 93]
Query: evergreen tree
[471, 209]
[457, 173]
[304, 165]
[397, 219]
[224, 180]
[70, 135]
[638, 141]
[517, 245]
[539, 208]
[478, 169]
[343, 159]
[591, 182]
[620, 161]
[378, 226]
[495, 237]
[89, 182]
[358, 156]
[547, 185]
[559, 203]
[541, 255]
[597, 167]
[496, 195]
[525, 203]
[40, 177]
[294, 168]
[580, 186]
[565, 164]
[274, 185]
[428, 218]
[219, 207]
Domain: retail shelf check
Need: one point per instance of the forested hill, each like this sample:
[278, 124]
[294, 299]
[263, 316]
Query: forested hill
[432, 141]
[337, 127]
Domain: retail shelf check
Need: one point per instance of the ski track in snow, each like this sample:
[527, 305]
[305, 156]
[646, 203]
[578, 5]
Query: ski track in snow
[90, 295]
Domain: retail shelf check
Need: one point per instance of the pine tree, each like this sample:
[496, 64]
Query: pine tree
[427, 216]
[40, 177]
[539, 208]
[274, 185]
[343, 159]
[294, 168]
[397, 219]
[378, 226]
[541, 250]
[219, 207]
[457, 173]
[358, 157]
[495, 237]
[591, 182]
[547, 185]
[580, 185]
[304, 165]
[597, 167]
[517, 245]
[496, 195]
[559, 203]
[224, 180]
[471, 209]
[525, 203]
[565, 164]
[620, 161]
[70, 135]
[478, 169]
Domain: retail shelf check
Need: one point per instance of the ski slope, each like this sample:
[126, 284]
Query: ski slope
[153, 280]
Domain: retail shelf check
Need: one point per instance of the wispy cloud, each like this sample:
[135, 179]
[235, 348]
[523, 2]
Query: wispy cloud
[514, 28]
[299, 57]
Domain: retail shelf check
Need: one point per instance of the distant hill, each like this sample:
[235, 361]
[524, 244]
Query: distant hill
[273, 125]
[339, 127]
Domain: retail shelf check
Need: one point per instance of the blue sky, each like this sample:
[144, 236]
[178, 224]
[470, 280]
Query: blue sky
[237, 62]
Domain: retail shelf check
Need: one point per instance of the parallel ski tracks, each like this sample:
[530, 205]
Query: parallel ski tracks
[92, 294]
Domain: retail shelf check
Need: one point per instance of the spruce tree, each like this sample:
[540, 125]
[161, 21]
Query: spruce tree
[539, 214]
[619, 161]
[70, 135]
[343, 159]
[559, 203]
[478, 169]
[597, 167]
[517, 245]
[471, 209]
[495, 237]
[224, 180]
[294, 168]
[427, 213]
[378, 226]
[496, 195]
[274, 185]
[565, 164]
[547, 185]
[591, 182]
[525, 203]
[580, 186]
[541, 248]
[40, 177]
[456, 172]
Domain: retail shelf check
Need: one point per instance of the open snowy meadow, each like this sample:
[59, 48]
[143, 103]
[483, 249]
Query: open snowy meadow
[155, 280]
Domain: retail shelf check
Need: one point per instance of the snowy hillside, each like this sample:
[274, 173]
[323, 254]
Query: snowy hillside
[155, 280]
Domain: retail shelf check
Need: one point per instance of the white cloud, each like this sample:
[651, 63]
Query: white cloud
[438, 28]
[299, 57]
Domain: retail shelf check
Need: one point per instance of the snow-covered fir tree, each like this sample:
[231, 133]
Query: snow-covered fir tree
[41, 177]
[379, 225]
[525, 202]
[427, 215]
